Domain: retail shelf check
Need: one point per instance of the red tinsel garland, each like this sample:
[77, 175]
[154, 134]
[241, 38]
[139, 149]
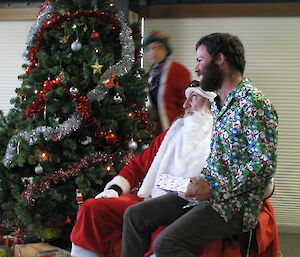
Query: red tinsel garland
[39, 104]
[104, 18]
[73, 170]
[84, 108]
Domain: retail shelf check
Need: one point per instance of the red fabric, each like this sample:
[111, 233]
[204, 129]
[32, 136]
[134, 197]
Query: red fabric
[99, 228]
[99, 224]
[178, 77]
[267, 233]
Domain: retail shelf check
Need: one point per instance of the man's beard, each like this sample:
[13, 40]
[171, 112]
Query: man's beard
[192, 121]
[212, 77]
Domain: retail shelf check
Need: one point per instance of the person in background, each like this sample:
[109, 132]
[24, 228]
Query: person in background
[167, 81]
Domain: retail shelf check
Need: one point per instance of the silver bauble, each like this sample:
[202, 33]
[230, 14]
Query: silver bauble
[76, 46]
[118, 99]
[73, 90]
[38, 169]
[132, 145]
[86, 141]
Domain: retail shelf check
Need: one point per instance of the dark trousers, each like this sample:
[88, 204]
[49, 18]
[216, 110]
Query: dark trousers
[188, 229]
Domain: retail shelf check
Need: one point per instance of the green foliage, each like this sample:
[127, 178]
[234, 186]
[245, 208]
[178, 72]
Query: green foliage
[55, 86]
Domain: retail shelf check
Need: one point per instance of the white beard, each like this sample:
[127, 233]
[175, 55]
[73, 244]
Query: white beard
[182, 153]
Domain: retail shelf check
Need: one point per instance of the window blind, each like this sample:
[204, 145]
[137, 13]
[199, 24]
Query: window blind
[12, 44]
[272, 47]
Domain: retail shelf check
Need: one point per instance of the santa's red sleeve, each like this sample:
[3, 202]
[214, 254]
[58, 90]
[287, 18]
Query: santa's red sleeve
[135, 171]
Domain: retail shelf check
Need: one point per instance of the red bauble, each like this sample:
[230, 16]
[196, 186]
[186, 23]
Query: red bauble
[111, 138]
[95, 35]
[68, 221]
[28, 69]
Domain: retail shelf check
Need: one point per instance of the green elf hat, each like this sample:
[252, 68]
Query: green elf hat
[158, 36]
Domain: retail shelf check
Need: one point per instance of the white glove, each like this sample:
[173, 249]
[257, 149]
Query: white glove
[109, 193]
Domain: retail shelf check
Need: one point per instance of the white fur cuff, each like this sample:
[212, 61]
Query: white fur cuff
[121, 182]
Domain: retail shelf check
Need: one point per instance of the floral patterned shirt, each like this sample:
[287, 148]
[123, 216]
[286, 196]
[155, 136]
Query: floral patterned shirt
[243, 153]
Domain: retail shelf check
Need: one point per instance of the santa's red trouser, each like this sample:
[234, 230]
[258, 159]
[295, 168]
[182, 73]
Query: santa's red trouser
[99, 228]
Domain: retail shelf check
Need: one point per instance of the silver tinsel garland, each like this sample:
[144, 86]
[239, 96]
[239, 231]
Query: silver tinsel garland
[73, 123]
[44, 15]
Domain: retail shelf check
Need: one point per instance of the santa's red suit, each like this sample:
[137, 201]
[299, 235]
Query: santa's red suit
[170, 96]
[99, 221]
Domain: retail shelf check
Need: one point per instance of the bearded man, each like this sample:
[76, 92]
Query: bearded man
[179, 151]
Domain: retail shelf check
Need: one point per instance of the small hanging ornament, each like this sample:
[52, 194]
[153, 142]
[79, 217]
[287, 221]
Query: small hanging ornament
[57, 137]
[38, 169]
[97, 50]
[130, 114]
[95, 35]
[97, 67]
[28, 69]
[44, 156]
[76, 46]
[18, 147]
[112, 81]
[45, 113]
[111, 138]
[86, 141]
[79, 197]
[117, 98]
[20, 97]
[68, 220]
[73, 90]
[27, 180]
[132, 144]
[64, 39]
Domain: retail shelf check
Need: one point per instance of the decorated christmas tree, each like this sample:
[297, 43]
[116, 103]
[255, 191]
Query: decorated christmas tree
[78, 116]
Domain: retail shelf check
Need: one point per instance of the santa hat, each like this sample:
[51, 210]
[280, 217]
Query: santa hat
[194, 86]
[158, 36]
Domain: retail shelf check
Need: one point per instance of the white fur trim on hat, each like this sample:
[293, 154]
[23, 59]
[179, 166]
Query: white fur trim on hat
[207, 94]
[121, 182]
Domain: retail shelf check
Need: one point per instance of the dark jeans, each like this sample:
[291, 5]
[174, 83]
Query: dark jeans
[188, 229]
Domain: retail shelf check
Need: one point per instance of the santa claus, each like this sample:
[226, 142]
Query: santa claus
[179, 151]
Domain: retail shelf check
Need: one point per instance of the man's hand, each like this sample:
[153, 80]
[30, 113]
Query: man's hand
[198, 191]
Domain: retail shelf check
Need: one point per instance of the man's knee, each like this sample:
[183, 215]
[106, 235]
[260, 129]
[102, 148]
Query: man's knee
[162, 243]
[131, 213]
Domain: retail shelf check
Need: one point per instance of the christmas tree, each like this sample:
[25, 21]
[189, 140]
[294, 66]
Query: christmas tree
[78, 116]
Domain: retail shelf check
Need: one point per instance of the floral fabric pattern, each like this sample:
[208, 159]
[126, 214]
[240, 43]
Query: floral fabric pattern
[243, 153]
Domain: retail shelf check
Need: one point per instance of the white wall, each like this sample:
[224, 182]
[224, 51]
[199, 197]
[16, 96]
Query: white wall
[12, 44]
